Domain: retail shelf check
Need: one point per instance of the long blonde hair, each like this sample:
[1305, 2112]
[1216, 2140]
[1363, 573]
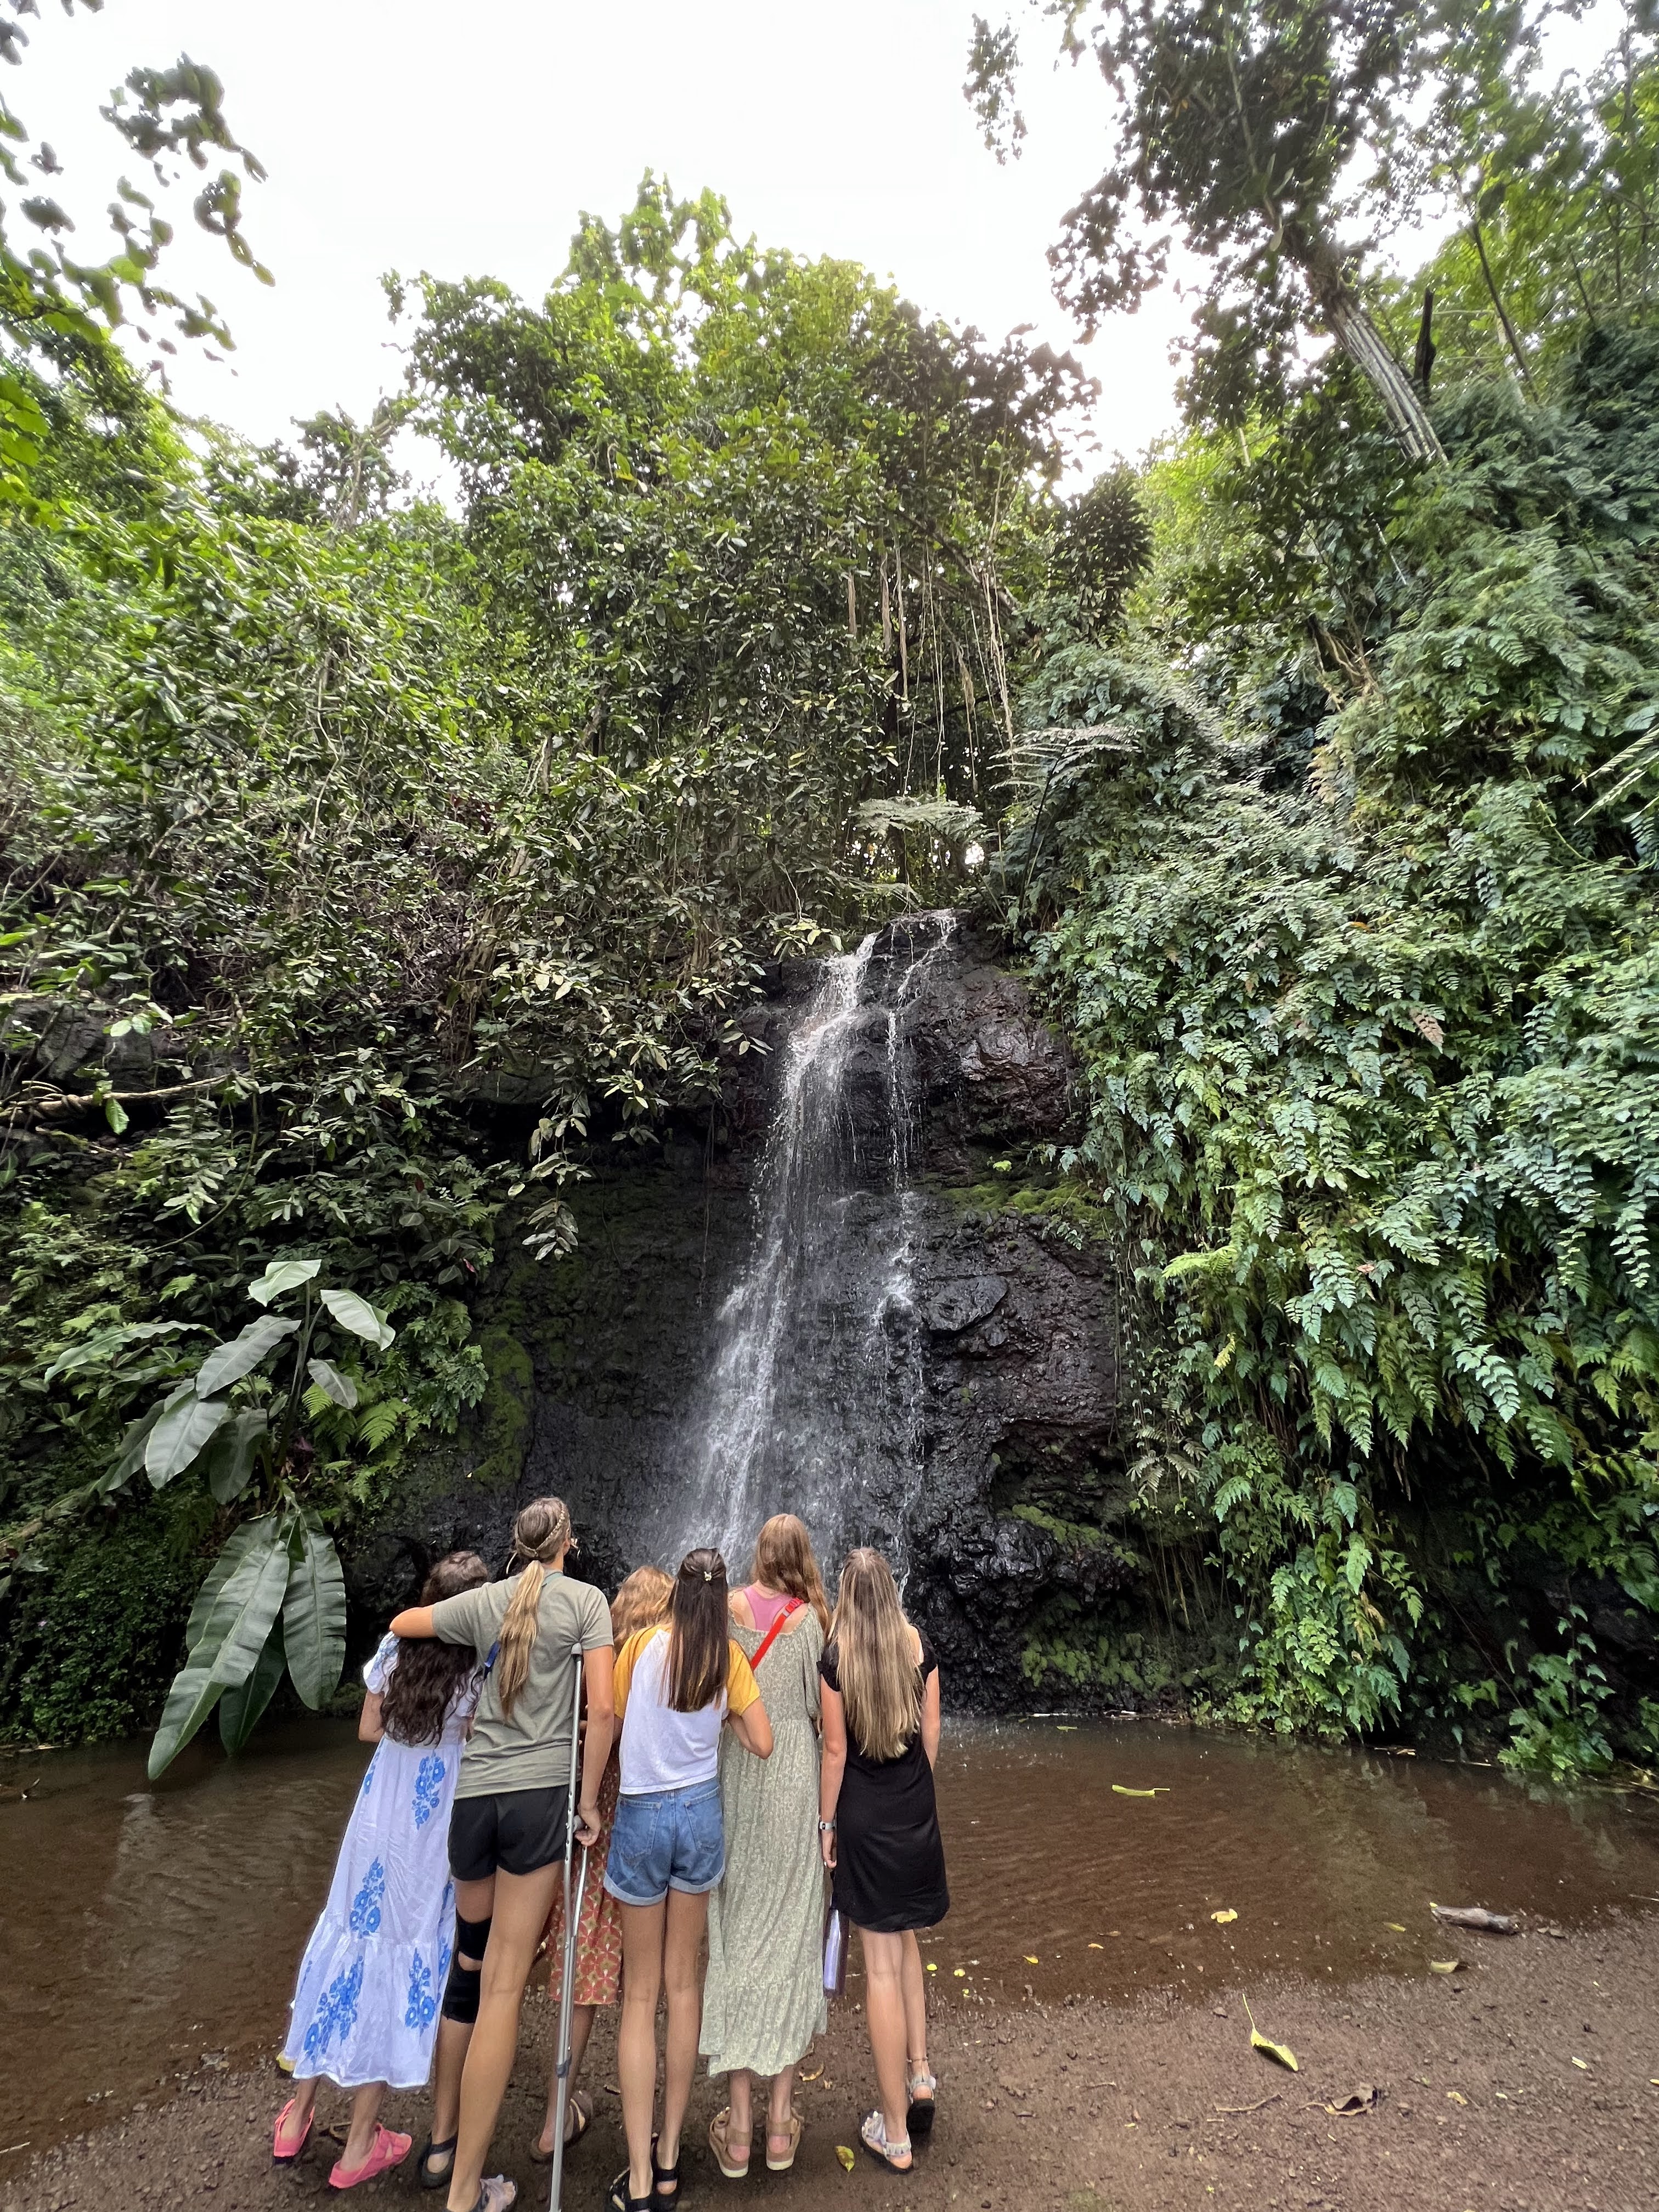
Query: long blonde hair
[643, 1602]
[541, 1532]
[880, 1680]
[785, 1561]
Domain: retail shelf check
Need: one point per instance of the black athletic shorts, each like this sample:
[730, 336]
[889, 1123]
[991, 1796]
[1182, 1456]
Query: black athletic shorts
[514, 1832]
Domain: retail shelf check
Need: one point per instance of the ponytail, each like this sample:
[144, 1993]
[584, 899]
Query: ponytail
[541, 1532]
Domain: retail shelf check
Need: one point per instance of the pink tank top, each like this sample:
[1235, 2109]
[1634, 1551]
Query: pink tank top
[765, 1606]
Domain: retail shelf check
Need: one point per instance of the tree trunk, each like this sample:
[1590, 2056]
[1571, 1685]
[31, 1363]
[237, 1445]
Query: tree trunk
[1360, 339]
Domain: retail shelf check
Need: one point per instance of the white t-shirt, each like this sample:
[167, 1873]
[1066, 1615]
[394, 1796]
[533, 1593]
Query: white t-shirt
[662, 1749]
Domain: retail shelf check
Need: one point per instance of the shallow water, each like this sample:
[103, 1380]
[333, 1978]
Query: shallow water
[152, 1930]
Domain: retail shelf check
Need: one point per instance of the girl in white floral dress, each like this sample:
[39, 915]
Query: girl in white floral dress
[366, 2006]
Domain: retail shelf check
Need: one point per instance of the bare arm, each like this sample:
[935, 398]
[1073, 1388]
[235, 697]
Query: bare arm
[370, 1727]
[753, 1729]
[598, 1669]
[832, 1765]
[415, 1621]
[930, 1717]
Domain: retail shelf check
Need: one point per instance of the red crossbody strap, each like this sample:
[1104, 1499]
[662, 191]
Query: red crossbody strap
[782, 1621]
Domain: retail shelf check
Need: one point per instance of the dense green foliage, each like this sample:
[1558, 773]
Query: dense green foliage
[364, 865]
[365, 868]
[1340, 867]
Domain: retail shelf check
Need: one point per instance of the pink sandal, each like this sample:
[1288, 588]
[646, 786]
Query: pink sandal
[388, 2150]
[279, 2157]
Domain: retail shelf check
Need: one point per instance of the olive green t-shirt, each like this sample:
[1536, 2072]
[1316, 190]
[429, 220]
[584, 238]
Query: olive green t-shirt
[531, 1750]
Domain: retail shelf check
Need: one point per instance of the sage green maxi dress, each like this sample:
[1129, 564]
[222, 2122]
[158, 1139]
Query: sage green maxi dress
[763, 1999]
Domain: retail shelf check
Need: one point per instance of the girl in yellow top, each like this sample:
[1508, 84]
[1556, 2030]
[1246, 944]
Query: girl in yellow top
[677, 1685]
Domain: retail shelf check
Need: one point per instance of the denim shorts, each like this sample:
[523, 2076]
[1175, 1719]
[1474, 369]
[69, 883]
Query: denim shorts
[671, 1840]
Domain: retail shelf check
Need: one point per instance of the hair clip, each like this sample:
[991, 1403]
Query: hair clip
[708, 1574]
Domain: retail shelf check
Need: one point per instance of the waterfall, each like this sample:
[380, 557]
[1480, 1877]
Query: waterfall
[814, 1401]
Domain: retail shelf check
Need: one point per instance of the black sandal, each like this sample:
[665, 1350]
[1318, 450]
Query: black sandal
[659, 2175]
[580, 2110]
[430, 2150]
[620, 2201]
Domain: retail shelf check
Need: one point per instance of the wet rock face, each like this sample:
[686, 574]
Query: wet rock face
[953, 1409]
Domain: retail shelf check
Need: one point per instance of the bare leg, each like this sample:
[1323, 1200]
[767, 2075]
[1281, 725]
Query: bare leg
[365, 2113]
[740, 2127]
[642, 1933]
[780, 2110]
[682, 1958]
[453, 2036]
[518, 1910]
[294, 2127]
[885, 2009]
[913, 1984]
[581, 2026]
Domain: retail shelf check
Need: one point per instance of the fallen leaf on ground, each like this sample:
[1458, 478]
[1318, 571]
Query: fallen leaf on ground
[1444, 1966]
[1280, 2052]
[1456, 2097]
[1364, 2098]
[1096, 1947]
[932, 1965]
[816, 2074]
[1581, 2065]
[1222, 1919]
[1030, 1958]
[845, 2155]
[1119, 1790]
[960, 1973]
[1394, 1927]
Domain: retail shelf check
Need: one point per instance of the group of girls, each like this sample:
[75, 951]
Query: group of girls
[734, 1746]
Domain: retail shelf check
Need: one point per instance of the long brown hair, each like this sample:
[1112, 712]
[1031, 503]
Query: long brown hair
[697, 1634]
[429, 1675]
[643, 1602]
[785, 1561]
[541, 1532]
[880, 1680]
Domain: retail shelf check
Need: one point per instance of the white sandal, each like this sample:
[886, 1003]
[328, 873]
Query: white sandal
[920, 2118]
[872, 2133]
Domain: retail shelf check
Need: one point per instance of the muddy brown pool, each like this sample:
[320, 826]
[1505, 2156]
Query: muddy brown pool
[152, 1931]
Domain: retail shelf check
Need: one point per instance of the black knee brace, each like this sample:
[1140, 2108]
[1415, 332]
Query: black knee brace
[461, 1990]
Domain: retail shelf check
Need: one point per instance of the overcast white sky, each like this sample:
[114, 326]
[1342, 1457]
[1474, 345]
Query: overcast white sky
[466, 140]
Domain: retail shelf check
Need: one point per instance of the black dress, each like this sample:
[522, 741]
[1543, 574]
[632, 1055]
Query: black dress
[889, 1860]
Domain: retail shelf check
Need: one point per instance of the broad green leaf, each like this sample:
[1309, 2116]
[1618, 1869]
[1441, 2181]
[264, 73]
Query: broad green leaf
[234, 1454]
[192, 1697]
[107, 1344]
[250, 1536]
[314, 1614]
[360, 1317]
[240, 1708]
[181, 1434]
[227, 1362]
[332, 1384]
[280, 1277]
[1121, 1789]
[130, 1457]
[116, 1114]
[239, 1620]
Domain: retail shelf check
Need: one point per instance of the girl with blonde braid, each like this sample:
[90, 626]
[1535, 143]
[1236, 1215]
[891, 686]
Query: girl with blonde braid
[506, 1834]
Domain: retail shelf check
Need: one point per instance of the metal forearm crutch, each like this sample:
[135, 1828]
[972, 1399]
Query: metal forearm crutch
[561, 2067]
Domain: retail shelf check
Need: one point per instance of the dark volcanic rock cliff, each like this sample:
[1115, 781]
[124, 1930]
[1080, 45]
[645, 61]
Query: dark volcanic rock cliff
[1002, 1315]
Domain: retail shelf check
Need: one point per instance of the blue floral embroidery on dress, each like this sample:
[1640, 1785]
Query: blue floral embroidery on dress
[428, 1788]
[337, 2011]
[368, 1777]
[366, 1906]
[422, 2005]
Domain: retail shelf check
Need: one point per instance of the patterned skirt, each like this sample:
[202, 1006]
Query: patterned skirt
[369, 1986]
[597, 1979]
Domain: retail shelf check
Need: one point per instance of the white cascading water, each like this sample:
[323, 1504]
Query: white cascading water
[814, 1398]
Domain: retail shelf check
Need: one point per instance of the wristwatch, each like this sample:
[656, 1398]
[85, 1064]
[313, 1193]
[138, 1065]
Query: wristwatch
[825, 1827]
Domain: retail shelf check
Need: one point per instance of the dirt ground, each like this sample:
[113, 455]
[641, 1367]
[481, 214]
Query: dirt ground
[1527, 2081]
